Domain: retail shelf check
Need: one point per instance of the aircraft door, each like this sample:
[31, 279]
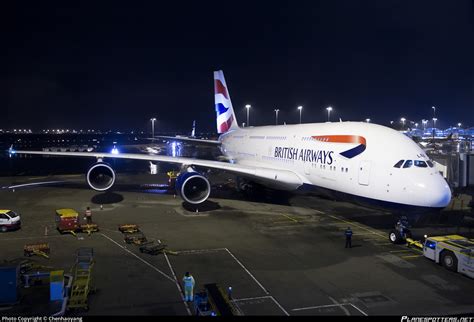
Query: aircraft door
[364, 172]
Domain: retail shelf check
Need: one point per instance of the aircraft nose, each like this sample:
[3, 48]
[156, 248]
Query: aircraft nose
[440, 195]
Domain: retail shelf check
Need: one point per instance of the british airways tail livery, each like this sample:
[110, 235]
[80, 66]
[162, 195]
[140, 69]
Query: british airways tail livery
[361, 162]
[225, 112]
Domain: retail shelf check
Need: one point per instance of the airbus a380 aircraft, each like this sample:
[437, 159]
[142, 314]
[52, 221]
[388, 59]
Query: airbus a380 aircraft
[362, 162]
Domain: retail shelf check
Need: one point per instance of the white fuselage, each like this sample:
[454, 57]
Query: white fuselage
[307, 150]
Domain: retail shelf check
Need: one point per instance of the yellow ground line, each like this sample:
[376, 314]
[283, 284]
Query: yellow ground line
[356, 225]
[289, 217]
[280, 222]
[410, 256]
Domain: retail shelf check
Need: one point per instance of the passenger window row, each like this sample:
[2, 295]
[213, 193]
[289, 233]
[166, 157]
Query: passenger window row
[417, 163]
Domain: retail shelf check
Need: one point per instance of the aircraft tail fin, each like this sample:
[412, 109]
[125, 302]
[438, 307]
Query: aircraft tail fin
[225, 115]
[193, 132]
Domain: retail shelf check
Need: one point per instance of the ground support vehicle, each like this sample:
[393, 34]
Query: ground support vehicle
[137, 238]
[9, 220]
[67, 221]
[152, 247]
[82, 284]
[40, 249]
[128, 228]
[454, 252]
[89, 228]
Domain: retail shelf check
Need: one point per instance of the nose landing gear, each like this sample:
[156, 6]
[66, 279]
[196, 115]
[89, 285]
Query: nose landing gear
[401, 232]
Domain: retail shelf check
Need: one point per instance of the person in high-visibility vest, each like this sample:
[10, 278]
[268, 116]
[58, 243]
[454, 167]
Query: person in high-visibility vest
[188, 281]
[89, 215]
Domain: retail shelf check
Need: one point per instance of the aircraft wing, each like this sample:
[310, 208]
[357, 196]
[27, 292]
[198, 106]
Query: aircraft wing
[186, 139]
[272, 177]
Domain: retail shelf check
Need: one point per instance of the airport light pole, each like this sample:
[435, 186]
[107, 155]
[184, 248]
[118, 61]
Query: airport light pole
[434, 122]
[300, 108]
[153, 127]
[434, 115]
[276, 116]
[248, 106]
[459, 125]
[367, 120]
[403, 122]
[329, 109]
[416, 125]
[424, 124]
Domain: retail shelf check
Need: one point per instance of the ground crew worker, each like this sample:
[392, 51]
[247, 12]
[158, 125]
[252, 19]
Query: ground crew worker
[89, 215]
[188, 281]
[348, 234]
[401, 226]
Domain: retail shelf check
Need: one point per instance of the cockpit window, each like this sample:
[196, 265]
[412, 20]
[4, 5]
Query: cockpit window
[421, 164]
[430, 164]
[408, 163]
[398, 164]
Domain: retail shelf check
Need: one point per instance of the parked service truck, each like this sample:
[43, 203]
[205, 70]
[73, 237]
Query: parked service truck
[9, 220]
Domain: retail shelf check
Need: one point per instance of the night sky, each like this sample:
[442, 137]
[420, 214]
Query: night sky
[114, 66]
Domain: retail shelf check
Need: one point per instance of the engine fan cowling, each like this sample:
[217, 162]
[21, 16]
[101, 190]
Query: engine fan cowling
[100, 176]
[193, 187]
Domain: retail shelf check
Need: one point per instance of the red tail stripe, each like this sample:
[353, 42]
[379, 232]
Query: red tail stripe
[219, 88]
[224, 127]
[341, 139]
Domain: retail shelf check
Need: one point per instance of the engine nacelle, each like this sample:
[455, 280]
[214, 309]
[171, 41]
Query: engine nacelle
[100, 176]
[193, 187]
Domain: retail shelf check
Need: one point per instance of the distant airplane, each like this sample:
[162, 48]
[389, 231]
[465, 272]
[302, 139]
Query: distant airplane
[190, 139]
[360, 162]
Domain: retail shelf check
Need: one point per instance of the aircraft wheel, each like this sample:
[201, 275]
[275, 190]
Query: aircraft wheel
[395, 237]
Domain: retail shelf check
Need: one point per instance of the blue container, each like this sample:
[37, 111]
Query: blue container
[9, 284]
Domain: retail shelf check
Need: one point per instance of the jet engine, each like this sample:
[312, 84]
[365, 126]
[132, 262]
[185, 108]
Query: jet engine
[193, 187]
[100, 176]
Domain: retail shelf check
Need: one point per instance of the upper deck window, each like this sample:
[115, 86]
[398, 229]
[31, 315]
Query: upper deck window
[398, 164]
[408, 163]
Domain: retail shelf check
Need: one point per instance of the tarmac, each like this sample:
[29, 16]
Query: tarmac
[281, 254]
